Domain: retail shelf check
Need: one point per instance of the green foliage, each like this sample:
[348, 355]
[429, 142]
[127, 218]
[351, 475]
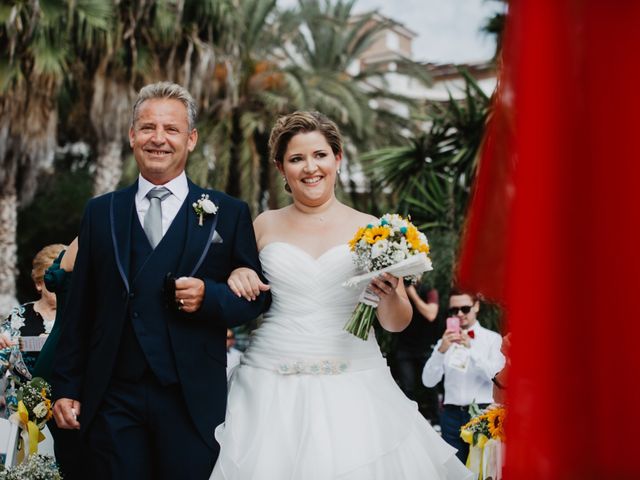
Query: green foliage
[53, 216]
[430, 179]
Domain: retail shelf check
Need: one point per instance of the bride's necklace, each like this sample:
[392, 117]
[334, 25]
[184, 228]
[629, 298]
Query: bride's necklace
[321, 216]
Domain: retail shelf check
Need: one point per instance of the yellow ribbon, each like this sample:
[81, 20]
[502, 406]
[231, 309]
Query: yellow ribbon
[30, 430]
[474, 460]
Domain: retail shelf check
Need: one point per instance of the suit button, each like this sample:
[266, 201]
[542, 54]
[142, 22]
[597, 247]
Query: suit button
[135, 315]
[131, 295]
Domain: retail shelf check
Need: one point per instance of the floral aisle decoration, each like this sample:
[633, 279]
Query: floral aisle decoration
[36, 467]
[391, 245]
[485, 435]
[32, 412]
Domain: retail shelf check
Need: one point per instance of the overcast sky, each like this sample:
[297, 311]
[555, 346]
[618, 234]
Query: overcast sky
[448, 30]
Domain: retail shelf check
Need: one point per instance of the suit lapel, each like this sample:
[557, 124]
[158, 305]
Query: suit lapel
[121, 210]
[198, 238]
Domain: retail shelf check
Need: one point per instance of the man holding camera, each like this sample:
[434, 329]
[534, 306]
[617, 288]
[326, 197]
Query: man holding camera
[468, 355]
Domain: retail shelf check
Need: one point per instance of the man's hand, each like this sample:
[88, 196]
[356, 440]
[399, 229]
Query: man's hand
[189, 293]
[448, 338]
[465, 339]
[66, 412]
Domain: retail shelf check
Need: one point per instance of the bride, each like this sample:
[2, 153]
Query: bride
[309, 400]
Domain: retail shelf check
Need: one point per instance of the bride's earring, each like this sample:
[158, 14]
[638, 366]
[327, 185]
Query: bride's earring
[286, 184]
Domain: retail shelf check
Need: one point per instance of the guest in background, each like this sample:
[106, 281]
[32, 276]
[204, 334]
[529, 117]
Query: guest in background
[468, 357]
[57, 279]
[413, 347]
[33, 318]
[68, 447]
[500, 379]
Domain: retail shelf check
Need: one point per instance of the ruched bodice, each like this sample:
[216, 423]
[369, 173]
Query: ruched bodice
[310, 307]
[311, 401]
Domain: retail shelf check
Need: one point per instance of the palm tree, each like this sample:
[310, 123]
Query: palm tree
[34, 55]
[328, 42]
[430, 177]
[249, 93]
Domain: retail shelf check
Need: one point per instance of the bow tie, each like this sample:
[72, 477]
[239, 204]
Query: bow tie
[471, 334]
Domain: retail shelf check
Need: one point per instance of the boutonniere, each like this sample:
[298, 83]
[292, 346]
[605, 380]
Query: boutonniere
[203, 207]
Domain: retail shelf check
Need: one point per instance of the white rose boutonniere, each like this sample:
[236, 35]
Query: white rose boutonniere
[203, 207]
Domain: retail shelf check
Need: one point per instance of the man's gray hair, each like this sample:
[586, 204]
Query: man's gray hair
[170, 91]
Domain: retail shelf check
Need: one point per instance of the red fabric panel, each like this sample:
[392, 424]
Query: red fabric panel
[571, 261]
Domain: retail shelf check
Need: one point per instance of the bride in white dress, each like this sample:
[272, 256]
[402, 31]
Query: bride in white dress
[310, 401]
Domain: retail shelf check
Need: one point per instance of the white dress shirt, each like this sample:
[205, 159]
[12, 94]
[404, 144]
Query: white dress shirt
[179, 189]
[473, 385]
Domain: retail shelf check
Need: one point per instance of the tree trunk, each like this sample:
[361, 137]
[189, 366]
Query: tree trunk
[8, 251]
[233, 180]
[110, 115]
[108, 168]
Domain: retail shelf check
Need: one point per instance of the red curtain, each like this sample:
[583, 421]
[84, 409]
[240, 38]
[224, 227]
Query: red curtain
[564, 257]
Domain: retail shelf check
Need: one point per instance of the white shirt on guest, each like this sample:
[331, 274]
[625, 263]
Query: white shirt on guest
[474, 384]
[179, 189]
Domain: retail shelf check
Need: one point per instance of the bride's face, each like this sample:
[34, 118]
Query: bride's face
[310, 168]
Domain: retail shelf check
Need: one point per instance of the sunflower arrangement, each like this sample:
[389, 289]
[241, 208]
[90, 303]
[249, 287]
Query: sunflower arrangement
[394, 245]
[485, 426]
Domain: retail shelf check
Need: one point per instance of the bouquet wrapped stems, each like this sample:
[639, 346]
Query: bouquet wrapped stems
[361, 321]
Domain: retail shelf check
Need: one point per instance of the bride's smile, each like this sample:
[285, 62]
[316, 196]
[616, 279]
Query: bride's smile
[310, 168]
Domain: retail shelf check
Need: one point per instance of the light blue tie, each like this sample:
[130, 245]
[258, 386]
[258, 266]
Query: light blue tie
[153, 218]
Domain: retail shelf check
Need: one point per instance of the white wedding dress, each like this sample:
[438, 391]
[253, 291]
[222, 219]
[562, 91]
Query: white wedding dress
[310, 401]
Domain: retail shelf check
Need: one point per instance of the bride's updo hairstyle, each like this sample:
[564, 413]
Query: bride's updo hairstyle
[302, 122]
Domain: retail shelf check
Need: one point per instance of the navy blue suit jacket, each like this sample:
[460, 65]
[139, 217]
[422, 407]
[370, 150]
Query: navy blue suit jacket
[100, 292]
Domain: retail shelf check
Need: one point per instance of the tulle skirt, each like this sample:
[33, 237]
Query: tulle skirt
[355, 425]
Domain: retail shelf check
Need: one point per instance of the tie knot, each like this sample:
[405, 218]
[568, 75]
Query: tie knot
[160, 193]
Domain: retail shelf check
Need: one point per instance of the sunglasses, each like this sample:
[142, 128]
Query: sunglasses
[454, 310]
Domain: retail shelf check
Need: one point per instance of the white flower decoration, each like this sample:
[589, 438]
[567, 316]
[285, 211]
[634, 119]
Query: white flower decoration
[203, 207]
[40, 410]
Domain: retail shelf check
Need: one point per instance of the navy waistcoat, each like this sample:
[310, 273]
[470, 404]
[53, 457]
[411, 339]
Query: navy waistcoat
[145, 339]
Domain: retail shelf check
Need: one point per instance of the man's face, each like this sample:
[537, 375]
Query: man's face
[161, 140]
[458, 302]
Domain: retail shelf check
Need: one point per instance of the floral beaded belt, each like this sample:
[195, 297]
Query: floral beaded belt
[313, 367]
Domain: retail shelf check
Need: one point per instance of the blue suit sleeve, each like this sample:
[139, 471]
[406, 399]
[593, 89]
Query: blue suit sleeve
[220, 304]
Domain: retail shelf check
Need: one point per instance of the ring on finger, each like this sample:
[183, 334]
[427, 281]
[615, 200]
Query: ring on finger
[181, 301]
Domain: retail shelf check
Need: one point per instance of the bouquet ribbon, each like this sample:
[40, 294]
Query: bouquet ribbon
[31, 434]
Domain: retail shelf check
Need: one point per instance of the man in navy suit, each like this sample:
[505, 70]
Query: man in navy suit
[140, 367]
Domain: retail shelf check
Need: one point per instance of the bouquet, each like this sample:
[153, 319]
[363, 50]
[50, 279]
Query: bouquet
[485, 435]
[33, 411]
[484, 426]
[37, 467]
[393, 245]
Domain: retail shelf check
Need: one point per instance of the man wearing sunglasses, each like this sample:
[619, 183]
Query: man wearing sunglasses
[468, 357]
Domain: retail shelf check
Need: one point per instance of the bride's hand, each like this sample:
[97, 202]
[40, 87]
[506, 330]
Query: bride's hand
[246, 283]
[384, 286]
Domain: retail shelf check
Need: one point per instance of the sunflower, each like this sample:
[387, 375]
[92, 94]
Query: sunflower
[413, 238]
[356, 238]
[495, 419]
[375, 234]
